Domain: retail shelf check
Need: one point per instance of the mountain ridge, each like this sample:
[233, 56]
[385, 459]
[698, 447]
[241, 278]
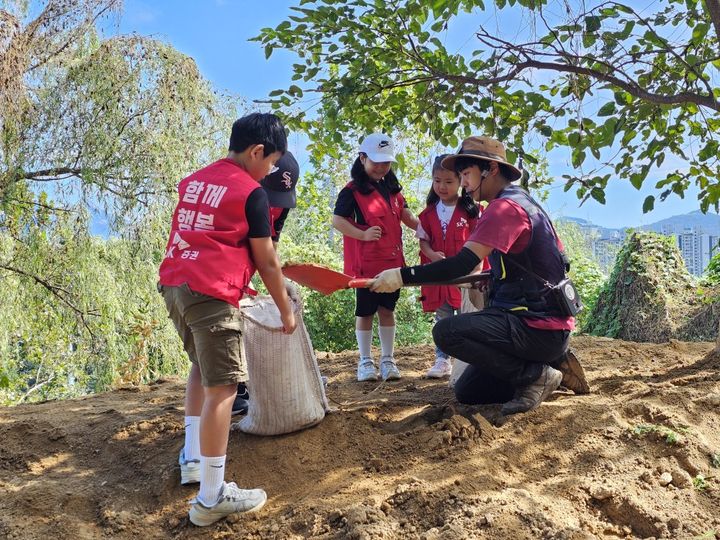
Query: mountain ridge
[707, 223]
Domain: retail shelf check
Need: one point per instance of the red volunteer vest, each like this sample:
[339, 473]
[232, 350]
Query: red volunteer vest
[368, 259]
[458, 231]
[208, 247]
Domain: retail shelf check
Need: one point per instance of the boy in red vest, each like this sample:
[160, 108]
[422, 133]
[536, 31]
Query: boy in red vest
[220, 235]
[280, 188]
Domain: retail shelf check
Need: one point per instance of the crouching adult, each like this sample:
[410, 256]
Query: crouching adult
[512, 344]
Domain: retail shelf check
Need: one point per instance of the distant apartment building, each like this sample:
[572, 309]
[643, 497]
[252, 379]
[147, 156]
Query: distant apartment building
[606, 248]
[696, 248]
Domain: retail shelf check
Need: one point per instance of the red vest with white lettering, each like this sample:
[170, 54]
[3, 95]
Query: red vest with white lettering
[458, 231]
[368, 259]
[208, 247]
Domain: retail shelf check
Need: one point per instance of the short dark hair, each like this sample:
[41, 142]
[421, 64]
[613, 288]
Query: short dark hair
[258, 128]
[463, 162]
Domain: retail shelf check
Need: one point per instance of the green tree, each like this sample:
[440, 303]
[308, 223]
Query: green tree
[90, 126]
[622, 89]
[584, 270]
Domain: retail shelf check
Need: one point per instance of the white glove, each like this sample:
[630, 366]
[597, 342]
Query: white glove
[387, 281]
[420, 233]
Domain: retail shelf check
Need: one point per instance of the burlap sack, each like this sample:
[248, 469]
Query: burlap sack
[472, 300]
[286, 391]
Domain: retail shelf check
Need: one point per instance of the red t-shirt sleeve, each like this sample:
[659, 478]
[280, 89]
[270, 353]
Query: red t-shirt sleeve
[504, 226]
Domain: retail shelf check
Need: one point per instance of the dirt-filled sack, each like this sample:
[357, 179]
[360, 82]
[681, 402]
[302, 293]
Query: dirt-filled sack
[286, 390]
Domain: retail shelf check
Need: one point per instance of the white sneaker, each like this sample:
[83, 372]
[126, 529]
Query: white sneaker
[440, 370]
[231, 500]
[388, 369]
[366, 370]
[189, 469]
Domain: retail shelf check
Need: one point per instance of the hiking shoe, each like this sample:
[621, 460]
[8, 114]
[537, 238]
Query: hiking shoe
[232, 500]
[241, 403]
[573, 373]
[531, 396]
[440, 370]
[366, 370]
[189, 469]
[388, 369]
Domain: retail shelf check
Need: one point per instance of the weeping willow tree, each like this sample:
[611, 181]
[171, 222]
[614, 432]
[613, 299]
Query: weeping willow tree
[90, 127]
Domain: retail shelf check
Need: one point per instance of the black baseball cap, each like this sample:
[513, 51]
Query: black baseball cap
[280, 183]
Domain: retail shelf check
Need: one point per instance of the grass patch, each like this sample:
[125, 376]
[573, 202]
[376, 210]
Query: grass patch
[701, 483]
[671, 435]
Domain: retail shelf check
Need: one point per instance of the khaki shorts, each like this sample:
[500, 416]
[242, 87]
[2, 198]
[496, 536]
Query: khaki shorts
[211, 331]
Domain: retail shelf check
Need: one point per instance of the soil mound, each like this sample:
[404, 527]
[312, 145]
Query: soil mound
[637, 458]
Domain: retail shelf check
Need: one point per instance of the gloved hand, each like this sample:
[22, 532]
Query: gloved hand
[387, 281]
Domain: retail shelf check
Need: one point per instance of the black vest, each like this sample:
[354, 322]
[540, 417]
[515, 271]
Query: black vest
[513, 286]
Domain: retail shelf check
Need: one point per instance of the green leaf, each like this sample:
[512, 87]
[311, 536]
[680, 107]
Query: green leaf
[598, 194]
[648, 204]
[699, 32]
[607, 109]
[592, 23]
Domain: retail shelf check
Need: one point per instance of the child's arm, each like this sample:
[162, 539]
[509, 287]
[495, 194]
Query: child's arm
[408, 219]
[268, 265]
[348, 229]
[429, 252]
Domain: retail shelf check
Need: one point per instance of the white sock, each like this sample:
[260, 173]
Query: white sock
[387, 339]
[364, 339]
[192, 437]
[212, 474]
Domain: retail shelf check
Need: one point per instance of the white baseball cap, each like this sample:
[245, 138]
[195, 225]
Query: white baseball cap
[378, 147]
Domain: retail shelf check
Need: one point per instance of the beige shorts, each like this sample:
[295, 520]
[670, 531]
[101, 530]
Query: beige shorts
[211, 331]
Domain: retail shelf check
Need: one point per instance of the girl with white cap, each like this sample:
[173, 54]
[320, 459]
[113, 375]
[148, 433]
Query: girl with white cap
[368, 212]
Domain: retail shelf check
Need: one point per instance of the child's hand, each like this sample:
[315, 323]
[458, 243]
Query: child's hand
[372, 234]
[289, 322]
[437, 256]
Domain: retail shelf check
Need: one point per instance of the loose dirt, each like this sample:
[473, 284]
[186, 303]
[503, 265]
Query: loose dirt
[637, 458]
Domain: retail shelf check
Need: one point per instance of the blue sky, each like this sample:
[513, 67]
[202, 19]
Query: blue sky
[216, 32]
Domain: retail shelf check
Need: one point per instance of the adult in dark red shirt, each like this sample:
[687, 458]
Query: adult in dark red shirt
[511, 345]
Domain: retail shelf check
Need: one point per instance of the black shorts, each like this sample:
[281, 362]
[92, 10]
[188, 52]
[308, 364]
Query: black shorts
[367, 302]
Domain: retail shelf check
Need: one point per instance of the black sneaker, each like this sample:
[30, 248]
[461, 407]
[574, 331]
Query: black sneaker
[241, 403]
[531, 396]
[573, 373]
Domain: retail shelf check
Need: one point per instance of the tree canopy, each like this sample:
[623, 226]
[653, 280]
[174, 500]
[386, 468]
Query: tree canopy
[90, 126]
[624, 90]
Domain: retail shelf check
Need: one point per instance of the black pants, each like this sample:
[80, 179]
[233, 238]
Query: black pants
[503, 352]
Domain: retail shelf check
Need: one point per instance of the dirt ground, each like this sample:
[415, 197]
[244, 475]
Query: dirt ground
[637, 458]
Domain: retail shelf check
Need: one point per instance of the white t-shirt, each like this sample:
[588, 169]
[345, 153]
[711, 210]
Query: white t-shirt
[444, 214]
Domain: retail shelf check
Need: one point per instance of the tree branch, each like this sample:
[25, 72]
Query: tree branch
[59, 292]
[713, 9]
